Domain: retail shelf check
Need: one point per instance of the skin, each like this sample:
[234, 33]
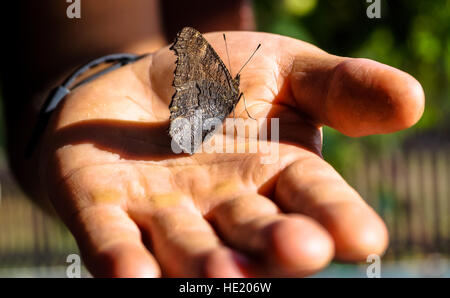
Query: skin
[136, 209]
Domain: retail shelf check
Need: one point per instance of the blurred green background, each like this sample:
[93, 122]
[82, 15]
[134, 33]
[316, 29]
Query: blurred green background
[405, 176]
[411, 35]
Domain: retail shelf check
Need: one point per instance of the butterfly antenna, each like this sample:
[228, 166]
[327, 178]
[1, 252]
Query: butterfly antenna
[228, 56]
[248, 59]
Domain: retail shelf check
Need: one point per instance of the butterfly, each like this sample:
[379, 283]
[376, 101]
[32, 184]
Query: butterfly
[205, 92]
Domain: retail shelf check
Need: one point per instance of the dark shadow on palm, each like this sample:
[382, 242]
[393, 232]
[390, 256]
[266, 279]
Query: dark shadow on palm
[151, 141]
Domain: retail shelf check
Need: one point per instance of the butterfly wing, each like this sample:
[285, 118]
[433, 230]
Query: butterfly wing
[204, 93]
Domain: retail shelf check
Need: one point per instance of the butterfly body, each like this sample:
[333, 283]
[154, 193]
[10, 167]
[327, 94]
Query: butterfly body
[205, 92]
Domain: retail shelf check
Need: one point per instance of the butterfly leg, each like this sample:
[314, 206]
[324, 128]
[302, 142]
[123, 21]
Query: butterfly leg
[245, 105]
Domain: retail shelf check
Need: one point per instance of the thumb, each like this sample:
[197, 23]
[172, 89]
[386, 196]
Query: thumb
[358, 97]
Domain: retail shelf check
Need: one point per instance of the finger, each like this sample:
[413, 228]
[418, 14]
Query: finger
[312, 187]
[358, 97]
[110, 243]
[291, 245]
[186, 245]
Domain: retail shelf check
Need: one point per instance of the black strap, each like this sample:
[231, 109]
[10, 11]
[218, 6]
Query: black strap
[59, 93]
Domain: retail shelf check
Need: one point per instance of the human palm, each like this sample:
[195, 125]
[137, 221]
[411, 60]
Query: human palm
[138, 209]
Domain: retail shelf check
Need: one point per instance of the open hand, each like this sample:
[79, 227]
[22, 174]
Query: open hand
[137, 209]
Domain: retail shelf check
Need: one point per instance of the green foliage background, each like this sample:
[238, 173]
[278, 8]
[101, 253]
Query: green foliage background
[412, 35]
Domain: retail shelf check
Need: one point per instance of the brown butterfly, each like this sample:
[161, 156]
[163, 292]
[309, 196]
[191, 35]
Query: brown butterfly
[205, 92]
